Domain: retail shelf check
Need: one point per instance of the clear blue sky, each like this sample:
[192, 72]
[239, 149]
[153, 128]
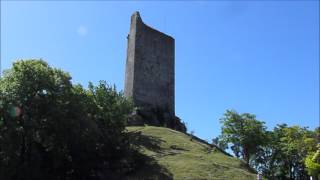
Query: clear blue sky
[260, 57]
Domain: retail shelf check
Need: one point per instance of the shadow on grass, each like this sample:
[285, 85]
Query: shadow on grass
[151, 143]
[148, 168]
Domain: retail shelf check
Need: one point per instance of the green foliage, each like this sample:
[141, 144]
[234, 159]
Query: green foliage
[109, 105]
[295, 143]
[278, 154]
[50, 129]
[220, 143]
[283, 156]
[312, 163]
[243, 132]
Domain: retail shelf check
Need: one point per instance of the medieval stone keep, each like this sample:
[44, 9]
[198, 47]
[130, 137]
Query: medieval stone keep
[149, 78]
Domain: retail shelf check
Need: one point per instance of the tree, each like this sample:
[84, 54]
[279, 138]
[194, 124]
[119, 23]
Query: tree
[51, 129]
[283, 156]
[312, 164]
[219, 143]
[40, 93]
[295, 145]
[243, 132]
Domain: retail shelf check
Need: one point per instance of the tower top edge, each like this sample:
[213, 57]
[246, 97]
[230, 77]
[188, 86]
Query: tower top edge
[137, 18]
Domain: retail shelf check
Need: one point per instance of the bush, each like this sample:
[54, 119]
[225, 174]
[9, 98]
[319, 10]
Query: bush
[51, 129]
[312, 163]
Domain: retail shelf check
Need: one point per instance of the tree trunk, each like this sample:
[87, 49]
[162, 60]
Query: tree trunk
[290, 171]
[246, 155]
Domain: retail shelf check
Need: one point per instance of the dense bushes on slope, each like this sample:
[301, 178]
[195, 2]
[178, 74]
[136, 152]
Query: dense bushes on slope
[51, 129]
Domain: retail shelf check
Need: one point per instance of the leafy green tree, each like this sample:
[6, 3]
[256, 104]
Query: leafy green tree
[39, 93]
[51, 129]
[295, 145]
[219, 143]
[268, 159]
[244, 133]
[312, 164]
[283, 156]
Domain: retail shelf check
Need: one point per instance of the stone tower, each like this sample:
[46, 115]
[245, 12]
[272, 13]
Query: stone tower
[149, 78]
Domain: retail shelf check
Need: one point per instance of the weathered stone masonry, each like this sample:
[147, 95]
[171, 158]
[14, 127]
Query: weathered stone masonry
[149, 78]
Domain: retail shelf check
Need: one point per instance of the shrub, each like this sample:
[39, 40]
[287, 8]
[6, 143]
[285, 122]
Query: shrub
[51, 129]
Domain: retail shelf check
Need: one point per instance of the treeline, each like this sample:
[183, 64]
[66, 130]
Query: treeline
[286, 152]
[52, 129]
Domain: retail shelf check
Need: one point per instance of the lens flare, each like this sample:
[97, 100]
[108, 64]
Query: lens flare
[14, 111]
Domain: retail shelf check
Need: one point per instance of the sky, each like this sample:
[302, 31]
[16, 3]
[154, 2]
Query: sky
[260, 57]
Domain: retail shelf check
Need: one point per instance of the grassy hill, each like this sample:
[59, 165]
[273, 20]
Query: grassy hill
[174, 155]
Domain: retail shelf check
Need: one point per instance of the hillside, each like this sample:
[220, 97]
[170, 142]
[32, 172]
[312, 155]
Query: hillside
[173, 155]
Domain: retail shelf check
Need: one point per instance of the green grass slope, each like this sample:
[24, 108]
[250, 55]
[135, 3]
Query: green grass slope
[174, 155]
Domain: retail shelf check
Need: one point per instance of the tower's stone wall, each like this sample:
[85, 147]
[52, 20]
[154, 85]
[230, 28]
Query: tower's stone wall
[149, 79]
[150, 67]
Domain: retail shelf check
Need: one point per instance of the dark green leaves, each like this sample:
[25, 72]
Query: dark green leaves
[51, 129]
